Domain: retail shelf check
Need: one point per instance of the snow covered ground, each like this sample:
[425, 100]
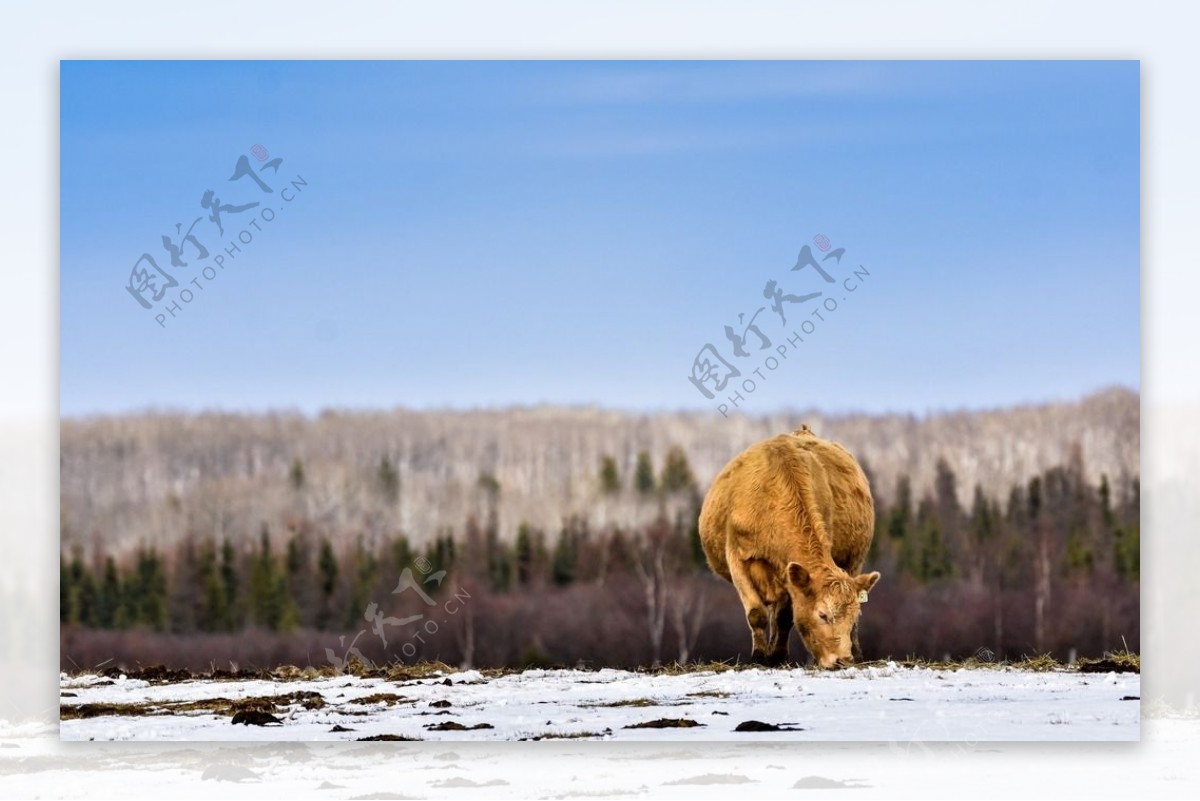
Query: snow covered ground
[874, 703]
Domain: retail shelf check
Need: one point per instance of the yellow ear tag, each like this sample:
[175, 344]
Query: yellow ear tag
[862, 596]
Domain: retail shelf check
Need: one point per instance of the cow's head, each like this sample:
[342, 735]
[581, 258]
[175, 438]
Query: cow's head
[825, 606]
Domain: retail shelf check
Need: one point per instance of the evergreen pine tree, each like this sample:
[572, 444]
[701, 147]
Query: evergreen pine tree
[500, 565]
[389, 479]
[364, 572]
[610, 479]
[643, 474]
[185, 586]
[77, 592]
[233, 619]
[150, 590]
[263, 589]
[524, 554]
[214, 616]
[564, 561]
[900, 518]
[677, 473]
[109, 612]
[296, 474]
[327, 575]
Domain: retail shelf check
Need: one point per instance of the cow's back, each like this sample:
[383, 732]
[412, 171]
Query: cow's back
[844, 499]
[752, 500]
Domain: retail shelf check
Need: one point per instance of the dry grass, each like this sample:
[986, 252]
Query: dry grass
[1122, 660]
[77, 711]
[678, 668]
[214, 706]
[630, 702]
[391, 699]
[389, 738]
[1038, 664]
[574, 735]
[665, 723]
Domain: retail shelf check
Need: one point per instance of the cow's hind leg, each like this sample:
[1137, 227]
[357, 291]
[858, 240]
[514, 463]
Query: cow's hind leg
[757, 616]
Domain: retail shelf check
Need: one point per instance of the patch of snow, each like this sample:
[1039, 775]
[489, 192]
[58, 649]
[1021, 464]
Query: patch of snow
[876, 703]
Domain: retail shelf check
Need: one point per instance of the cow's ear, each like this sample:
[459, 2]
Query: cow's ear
[866, 581]
[800, 578]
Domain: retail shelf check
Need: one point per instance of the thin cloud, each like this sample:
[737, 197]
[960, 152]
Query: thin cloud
[628, 138]
[689, 82]
[662, 143]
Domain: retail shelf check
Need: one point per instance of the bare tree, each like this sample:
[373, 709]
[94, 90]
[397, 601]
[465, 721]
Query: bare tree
[464, 635]
[688, 606]
[142, 478]
[650, 565]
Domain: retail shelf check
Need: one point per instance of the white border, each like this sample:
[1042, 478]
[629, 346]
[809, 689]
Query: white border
[34, 36]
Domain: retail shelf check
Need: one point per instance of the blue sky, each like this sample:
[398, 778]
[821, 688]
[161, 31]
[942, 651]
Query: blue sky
[495, 233]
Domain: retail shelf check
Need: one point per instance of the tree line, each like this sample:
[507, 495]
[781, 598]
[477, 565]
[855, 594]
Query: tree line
[1052, 566]
[155, 479]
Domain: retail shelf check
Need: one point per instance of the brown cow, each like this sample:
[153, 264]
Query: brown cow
[789, 523]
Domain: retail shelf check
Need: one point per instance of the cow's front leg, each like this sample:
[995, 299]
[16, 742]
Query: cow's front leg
[780, 632]
[760, 639]
[757, 617]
